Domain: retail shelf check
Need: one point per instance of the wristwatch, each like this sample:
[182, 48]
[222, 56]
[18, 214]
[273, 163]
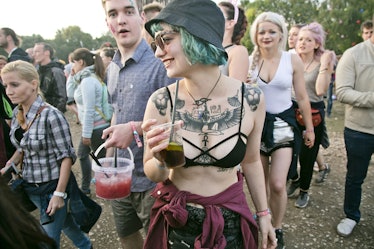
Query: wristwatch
[60, 194]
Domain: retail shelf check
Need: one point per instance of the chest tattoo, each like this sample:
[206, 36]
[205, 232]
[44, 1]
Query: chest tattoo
[210, 120]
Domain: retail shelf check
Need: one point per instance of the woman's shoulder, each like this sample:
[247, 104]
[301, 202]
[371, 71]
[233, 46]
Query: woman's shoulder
[50, 111]
[90, 80]
[253, 96]
[46, 108]
[239, 49]
[162, 95]
[170, 89]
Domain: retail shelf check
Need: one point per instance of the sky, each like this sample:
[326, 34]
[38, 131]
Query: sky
[45, 17]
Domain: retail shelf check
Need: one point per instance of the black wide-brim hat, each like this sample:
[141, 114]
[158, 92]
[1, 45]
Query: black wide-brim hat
[201, 18]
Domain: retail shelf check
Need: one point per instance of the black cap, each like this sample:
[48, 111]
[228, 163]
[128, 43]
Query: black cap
[201, 18]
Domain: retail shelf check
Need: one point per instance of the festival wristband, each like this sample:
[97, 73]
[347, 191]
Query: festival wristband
[136, 134]
[261, 213]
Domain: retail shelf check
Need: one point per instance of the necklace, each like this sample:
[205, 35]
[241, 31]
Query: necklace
[201, 106]
[310, 63]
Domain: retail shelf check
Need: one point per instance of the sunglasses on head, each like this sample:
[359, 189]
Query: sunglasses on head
[160, 41]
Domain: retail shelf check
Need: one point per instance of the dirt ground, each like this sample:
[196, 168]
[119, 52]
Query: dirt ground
[312, 227]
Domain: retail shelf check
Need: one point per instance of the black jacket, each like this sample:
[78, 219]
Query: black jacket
[19, 54]
[53, 84]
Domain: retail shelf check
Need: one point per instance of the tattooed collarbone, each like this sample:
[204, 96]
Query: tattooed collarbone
[252, 96]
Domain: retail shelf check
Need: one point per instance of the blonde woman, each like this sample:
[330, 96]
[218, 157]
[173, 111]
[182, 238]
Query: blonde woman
[44, 145]
[276, 71]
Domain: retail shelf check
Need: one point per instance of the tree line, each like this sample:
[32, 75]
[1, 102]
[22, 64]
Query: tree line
[341, 20]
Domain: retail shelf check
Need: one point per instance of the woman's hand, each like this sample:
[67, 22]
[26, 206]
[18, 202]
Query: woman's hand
[55, 204]
[309, 138]
[154, 138]
[86, 141]
[269, 240]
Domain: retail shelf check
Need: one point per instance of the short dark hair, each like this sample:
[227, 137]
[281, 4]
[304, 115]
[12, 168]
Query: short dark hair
[368, 24]
[47, 47]
[109, 52]
[16, 39]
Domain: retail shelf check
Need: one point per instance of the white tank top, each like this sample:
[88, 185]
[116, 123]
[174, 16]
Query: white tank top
[278, 91]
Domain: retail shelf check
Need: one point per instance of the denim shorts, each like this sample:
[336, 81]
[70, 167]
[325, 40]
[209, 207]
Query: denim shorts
[132, 213]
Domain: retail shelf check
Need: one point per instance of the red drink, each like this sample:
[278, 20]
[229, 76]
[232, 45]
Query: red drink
[113, 186]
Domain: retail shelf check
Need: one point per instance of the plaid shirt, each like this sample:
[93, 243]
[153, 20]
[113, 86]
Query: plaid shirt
[45, 144]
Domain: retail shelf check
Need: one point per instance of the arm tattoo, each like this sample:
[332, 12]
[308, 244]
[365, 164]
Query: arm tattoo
[160, 99]
[252, 95]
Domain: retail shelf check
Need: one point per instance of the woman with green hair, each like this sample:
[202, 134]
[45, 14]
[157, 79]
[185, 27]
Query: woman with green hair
[202, 204]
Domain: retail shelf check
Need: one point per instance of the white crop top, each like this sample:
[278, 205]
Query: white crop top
[277, 92]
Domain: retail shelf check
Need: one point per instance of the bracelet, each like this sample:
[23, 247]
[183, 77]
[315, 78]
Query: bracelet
[323, 70]
[263, 213]
[136, 134]
[60, 194]
[309, 131]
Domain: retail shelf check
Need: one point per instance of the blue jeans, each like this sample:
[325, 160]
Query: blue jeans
[359, 147]
[63, 221]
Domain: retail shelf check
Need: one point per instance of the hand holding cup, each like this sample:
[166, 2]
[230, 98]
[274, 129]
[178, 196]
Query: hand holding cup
[166, 144]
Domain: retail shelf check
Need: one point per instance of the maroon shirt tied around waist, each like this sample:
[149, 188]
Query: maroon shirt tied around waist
[169, 210]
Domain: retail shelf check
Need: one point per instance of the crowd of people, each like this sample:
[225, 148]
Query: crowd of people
[256, 117]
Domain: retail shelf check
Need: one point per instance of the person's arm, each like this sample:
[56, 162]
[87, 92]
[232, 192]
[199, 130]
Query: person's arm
[16, 157]
[153, 167]
[254, 173]
[58, 202]
[346, 85]
[121, 135]
[58, 132]
[88, 90]
[303, 99]
[325, 71]
[71, 85]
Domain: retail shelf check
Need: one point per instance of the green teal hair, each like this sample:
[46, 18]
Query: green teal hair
[196, 50]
